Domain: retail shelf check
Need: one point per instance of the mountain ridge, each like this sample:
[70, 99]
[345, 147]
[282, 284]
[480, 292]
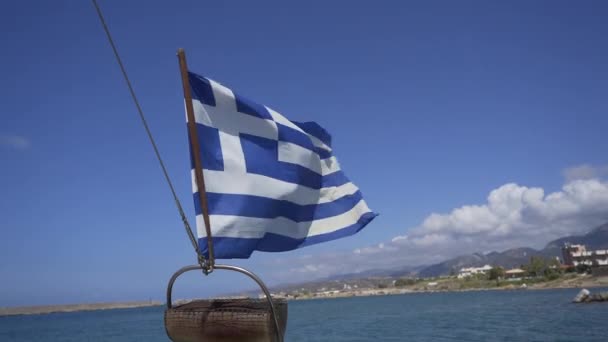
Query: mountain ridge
[596, 238]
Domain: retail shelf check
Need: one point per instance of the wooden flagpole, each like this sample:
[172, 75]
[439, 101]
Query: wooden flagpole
[196, 151]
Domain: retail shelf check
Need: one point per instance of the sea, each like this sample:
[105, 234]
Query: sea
[518, 315]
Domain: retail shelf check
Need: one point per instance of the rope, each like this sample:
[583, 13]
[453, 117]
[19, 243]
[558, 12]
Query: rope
[201, 258]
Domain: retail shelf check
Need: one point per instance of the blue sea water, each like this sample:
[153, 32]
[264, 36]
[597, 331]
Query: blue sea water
[528, 315]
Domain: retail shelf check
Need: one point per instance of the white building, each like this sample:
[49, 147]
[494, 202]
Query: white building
[515, 274]
[470, 271]
[575, 255]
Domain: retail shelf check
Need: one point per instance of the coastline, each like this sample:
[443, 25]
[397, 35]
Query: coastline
[570, 283]
[393, 292]
[48, 309]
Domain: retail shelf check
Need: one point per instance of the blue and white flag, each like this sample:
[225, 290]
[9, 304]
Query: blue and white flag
[272, 184]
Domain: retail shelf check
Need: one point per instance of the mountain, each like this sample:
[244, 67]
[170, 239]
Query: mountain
[597, 238]
[509, 259]
[377, 273]
[453, 265]
[512, 257]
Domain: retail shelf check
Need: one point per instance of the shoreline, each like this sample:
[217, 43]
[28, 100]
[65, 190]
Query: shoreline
[578, 282]
[573, 283]
[393, 292]
[49, 309]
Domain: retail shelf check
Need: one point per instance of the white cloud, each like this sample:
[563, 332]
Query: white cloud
[513, 216]
[14, 141]
[585, 171]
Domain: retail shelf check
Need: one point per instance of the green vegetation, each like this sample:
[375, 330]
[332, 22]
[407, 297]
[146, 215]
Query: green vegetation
[538, 270]
[496, 273]
[580, 268]
[541, 267]
[404, 282]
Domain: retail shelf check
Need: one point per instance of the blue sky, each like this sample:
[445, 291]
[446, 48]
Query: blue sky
[432, 105]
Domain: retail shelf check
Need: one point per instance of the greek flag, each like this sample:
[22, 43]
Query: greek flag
[272, 184]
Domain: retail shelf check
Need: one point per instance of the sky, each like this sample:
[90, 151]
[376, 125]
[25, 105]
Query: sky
[469, 126]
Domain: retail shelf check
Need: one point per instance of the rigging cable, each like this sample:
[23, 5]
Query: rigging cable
[201, 258]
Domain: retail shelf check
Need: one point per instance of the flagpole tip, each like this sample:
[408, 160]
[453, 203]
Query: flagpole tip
[180, 51]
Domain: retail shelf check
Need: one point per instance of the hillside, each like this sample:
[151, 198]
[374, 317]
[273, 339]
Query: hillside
[597, 238]
[509, 259]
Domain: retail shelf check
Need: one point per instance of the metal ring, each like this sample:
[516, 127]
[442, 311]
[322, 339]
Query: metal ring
[229, 268]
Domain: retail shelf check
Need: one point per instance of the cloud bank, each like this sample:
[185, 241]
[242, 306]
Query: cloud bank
[513, 216]
[585, 171]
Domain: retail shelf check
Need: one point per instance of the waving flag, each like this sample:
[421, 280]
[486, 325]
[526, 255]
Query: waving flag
[271, 184]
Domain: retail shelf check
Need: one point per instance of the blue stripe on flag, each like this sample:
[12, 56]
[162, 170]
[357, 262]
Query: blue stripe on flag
[246, 106]
[290, 135]
[334, 179]
[315, 130]
[293, 136]
[323, 153]
[201, 89]
[261, 157]
[263, 207]
[231, 248]
[211, 152]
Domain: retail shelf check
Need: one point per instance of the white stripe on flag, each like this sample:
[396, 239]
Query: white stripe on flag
[283, 121]
[252, 228]
[234, 122]
[258, 185]
[232, 151]
[296, 154]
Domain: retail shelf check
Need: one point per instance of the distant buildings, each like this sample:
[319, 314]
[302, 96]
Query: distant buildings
[597, 260]
[514, 274]
[470, 271]
[575, 255]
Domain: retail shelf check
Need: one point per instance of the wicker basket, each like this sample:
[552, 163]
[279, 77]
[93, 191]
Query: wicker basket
[225, 320]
